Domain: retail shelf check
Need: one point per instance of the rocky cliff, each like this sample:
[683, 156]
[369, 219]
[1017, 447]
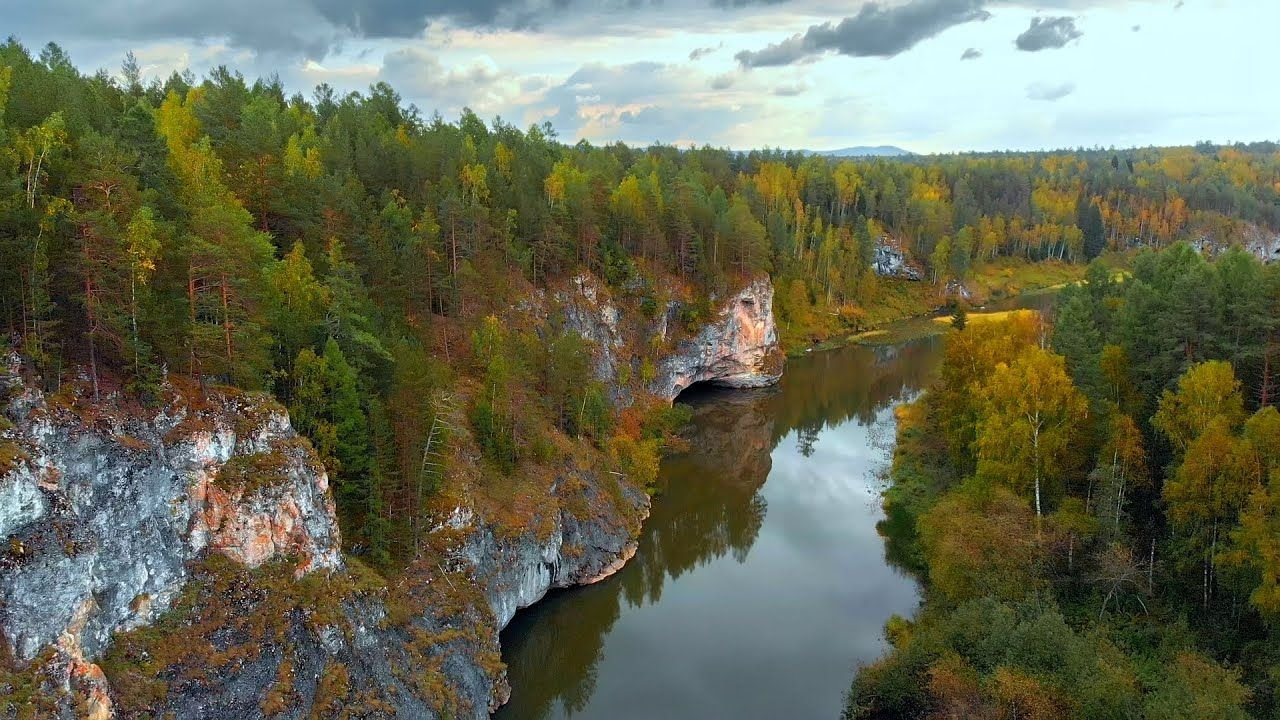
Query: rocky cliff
[111, 513]
[736, 347]
[185, 559]
[103, 506]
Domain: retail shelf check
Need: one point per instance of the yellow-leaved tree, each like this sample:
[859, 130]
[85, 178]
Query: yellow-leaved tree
[1257, 540]
[1030, 422]
[1207, 392]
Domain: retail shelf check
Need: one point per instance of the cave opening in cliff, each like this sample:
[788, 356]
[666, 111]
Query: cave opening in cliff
[699, 391]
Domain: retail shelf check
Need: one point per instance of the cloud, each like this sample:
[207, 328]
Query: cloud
[971, 54]
[407, 18]
[646, 101]
[699, 53]
[1045, 34]
[876, 31]
[790, 90]
[314, 29]
[723, 81]
[645, 116]
[290, 27]
[1049, 92]
[422, 78]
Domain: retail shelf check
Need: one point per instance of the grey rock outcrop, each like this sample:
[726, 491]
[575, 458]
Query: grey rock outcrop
[106, 509]
[1264, 245]
[101, 518]
[578, 551]
[737, 347]
[1261, 243]
[103, 506]
[890, 261]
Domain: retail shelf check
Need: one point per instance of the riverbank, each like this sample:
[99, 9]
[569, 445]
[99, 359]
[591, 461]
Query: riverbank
[898, 304]
[1079, 610]
[773, 483]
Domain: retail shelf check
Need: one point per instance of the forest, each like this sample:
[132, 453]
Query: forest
[353, 257]
[1094, 506]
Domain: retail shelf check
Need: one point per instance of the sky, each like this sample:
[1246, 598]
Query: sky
[926, 75]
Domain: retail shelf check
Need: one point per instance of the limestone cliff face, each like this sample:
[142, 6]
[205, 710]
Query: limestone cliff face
[582, 548]
[101, 507]
[104, 508]
[516, 573]
[736, 347]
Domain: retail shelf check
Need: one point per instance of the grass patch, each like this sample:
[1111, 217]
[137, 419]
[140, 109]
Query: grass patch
[11, 455]
[257, 471]
[30, 693]
[1010, 277]
[890, 317]
[980, 318]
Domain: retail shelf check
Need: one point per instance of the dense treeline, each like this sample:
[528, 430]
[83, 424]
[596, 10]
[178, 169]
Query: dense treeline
[345, 252]
[1094, 506]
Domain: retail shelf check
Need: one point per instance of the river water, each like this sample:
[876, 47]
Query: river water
[761, 581]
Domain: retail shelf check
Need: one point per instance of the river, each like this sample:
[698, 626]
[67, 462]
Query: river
[760, 582]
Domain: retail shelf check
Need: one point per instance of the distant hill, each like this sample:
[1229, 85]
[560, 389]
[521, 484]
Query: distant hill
[864, 151]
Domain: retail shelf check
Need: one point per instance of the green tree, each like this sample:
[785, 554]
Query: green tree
[1194, 687]
[298, 305]
[980, 542]
[226, 259]
[746, 236]
[1207, 492]
[1076, 338]
[327, 409]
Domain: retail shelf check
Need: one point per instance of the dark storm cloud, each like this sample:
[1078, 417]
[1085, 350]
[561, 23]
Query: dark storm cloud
[407, 18]
[1046, 34]
[1050, 92]
[288, 26]
[876, 31]
[971, 54]
[308, 28]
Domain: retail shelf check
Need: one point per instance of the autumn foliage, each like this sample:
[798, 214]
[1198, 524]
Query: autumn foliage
[1093, 506]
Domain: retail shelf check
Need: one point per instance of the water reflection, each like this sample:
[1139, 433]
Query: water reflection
[747, 598]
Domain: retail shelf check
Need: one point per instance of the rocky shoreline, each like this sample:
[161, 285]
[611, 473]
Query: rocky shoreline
[114, 518]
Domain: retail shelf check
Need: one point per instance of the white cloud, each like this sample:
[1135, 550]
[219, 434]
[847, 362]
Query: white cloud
[1049, 92]
[624, 72]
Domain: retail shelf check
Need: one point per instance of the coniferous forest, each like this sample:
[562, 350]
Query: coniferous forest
[1092, 501]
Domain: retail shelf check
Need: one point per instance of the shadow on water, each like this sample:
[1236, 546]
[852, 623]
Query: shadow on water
[711, 506]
